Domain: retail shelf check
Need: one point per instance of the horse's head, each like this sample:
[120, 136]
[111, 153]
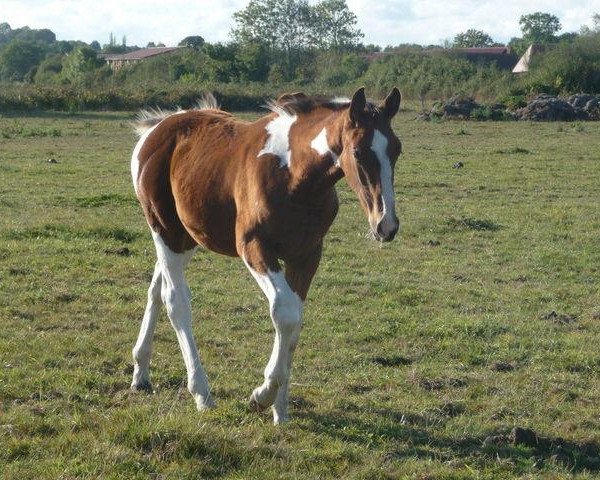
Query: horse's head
[370, 151]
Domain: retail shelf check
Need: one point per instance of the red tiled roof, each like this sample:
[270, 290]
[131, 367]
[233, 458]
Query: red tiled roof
[140, 54]
[483, 50]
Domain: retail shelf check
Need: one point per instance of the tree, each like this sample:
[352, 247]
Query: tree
[253, 62]
[4, 28]
[283, 26]
[290, 29]
[595, 28]
[335, 25]
[18, 58]
[539, 27]
[113, 47]
[195, 42]
[472, 38]
[78, 63]
[257, 23]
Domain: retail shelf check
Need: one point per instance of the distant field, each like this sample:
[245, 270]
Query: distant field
[417, 358]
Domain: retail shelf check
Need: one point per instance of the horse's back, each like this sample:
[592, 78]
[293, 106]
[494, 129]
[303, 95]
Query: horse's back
[180, 164]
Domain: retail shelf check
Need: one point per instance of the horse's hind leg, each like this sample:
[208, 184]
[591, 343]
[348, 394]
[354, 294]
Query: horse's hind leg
[177, 299]
[142, 350]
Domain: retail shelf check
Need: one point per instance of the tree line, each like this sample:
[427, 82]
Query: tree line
[280, 44]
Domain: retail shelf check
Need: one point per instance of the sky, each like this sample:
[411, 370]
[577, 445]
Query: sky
[384, 22]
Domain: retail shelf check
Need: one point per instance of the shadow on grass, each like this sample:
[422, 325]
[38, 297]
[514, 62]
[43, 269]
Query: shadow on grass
[417, 431]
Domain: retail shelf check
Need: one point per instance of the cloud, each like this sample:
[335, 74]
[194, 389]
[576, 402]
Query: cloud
[384, 22]
[140, 22]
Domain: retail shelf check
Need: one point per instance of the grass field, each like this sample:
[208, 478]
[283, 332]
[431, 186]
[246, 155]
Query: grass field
[417, 359]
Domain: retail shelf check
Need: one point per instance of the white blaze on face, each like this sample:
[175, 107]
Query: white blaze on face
[388, 216]
[320, 144]
[278, 141]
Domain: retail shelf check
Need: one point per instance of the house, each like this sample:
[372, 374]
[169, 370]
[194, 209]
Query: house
[116, 61]
[503, 57]
[522, 65]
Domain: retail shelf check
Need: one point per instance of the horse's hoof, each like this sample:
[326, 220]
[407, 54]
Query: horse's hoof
[255, 406]
[203, 404]
[280, 419]
[142, 387]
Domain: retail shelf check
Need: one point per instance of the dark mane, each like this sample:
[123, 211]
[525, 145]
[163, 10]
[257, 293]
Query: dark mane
[298, 103]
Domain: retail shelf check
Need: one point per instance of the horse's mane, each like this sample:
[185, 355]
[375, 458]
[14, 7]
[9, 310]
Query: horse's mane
[299, 103]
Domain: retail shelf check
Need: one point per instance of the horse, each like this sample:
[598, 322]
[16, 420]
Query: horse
[263, 191]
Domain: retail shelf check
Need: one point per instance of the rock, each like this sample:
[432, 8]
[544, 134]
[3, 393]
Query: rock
[549, 108]
[459, 107]
[580, 100]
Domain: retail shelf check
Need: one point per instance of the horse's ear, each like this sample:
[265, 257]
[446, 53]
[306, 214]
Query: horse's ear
[289, 97]
[391, 104]
[358, 104]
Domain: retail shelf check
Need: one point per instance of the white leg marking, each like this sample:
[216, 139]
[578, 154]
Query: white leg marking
[176, 297]
[286, 313]
[388, 216]
[135, 162]
[278, 141]
[321, 145]
[142, 351]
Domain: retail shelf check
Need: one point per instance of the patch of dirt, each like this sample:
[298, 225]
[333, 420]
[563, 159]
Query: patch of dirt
[392, 361]
[301, 403]
[120, 252]
[18, 271]
[434, 384]
[560, 319]
[360, 388]
[66, 297]
[582, 456]
[502, 367]
[453, 409]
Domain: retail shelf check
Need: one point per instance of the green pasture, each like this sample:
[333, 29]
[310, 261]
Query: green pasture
[417, 358]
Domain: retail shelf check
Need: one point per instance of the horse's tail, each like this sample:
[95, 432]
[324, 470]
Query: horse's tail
[148, 118]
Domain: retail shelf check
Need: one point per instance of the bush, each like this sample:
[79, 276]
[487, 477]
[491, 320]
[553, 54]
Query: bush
[570, 67]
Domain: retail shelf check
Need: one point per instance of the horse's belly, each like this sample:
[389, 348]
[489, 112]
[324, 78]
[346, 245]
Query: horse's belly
[211, 224]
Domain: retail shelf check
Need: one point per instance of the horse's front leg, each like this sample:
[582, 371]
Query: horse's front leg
[286, 306]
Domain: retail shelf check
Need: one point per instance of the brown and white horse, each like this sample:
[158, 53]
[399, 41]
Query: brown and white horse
[263, 191]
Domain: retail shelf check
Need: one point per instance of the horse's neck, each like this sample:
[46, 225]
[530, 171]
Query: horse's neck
[318, 169]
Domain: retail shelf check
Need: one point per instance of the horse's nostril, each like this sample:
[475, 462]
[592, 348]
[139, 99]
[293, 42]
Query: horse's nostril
[387, 236]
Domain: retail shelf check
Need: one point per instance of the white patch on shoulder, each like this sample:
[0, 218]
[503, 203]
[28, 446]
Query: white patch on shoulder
[278, 140]
[321, 145]
[135, 161]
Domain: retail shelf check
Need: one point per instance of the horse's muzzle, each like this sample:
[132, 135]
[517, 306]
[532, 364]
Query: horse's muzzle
[386, 232]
